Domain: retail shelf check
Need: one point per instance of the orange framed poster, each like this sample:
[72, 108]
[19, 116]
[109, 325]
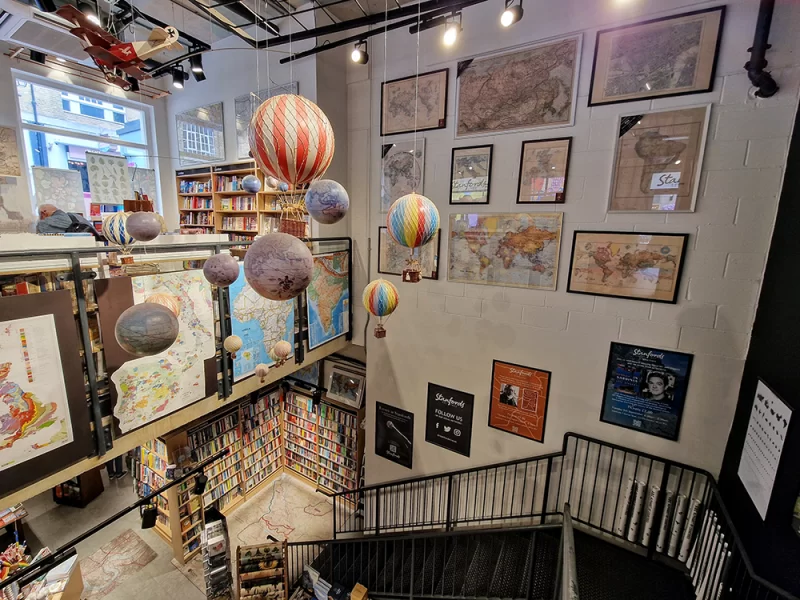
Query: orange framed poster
[518, 404]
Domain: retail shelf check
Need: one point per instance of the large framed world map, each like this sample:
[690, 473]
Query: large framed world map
[402, 170]
[328, 299]
[511, 250]
[415, 103]
[639, 266]
[534, 86]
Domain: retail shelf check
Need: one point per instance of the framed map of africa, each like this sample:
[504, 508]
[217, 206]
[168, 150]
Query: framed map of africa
[328, 299]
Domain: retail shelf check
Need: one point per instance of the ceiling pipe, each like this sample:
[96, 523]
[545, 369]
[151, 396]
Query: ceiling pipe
[760, 78]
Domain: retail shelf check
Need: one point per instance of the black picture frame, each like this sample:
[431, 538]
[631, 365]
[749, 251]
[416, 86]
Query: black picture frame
[488, 174]
[563, 193]
[678, 276]
[442, 123]
[437, 239]
[397, 446]
[495, 362]
[712, 75]
[450, 429]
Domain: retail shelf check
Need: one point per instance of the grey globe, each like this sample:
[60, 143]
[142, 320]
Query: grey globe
[146, 329]
[278, 266]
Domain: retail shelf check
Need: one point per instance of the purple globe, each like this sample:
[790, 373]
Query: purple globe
[221, 270]
[146, 329]
[278, 266]
[327, 201]
[143, 226]
[251, 184]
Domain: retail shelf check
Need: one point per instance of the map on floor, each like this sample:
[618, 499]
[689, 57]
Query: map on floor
[328, 299]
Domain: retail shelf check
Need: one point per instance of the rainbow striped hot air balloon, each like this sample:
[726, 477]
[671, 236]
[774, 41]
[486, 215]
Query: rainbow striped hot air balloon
[380, 298]
[412, 222]
[115, 231]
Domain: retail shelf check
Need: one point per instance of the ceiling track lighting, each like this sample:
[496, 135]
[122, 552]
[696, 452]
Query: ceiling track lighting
[451, 30]
[179, 76]
[38, 57]
[134, 83]
[196, 67]
[360, 54]
[511, 14]
[90, 12]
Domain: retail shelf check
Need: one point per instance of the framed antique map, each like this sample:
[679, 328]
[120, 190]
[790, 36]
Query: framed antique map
[638, 266]
[534, 86]
[671, 56]
[244, 107]
[392, 256]
[543, 168]
[414, 103]
[658, 159]
[402, 170]
[510, 249]
[470, 175]
[9, 153]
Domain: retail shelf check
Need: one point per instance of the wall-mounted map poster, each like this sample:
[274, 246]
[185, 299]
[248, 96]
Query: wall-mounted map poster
[526, 88]
[414, 103]
[402, 170]
[392, 257]
[328, 299]
[514, 249]
[671, 56]
[260, 322]
[471, 174]
[543, 169]
[645, 389]
[639, 266]
[518, 403]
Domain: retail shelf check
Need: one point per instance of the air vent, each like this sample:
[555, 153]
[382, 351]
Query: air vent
[49, 40]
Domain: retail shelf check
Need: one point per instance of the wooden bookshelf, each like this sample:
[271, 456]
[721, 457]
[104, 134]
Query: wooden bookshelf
[300, 424]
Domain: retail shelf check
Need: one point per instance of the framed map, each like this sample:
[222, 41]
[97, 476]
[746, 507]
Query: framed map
[392, 256]
[639, 266]
[671, 56]
[247, 104]
[658, 159]
[518, 400]
[415, 103]
[62, 187]
[201, 135]
[109, 182]
[543, 167]
[534, 86]
[402, 171]
[260, 322]
[328, 298]
[470, 175]
[9, 153]
[511, 250]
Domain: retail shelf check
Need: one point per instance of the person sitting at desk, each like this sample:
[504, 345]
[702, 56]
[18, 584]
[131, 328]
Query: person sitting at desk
[54, 220]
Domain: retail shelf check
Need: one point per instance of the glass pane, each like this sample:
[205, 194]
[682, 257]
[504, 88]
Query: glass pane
[43, 105]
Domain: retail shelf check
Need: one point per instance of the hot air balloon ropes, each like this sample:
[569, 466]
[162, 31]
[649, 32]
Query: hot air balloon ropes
[292, 141]
[412, 222]
[115, 230]
[380, 299]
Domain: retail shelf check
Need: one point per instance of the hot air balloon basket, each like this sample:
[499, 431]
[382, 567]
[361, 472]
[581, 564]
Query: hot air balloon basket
[411, 275]
[293, 227]
[380, 332]
[292, 219]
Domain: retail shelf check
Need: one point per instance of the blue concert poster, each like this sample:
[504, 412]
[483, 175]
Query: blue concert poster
[645, 389]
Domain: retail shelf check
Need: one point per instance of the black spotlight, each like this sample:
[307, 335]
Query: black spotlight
[39, 57]
[134, 84]
[149, 514]
[90, 12]
[196, 63]
[511, 14]
[179, 76]
[360, 54]
[199, 484]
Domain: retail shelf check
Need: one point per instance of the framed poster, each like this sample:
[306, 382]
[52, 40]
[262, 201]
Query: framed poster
[194, 149]
[532, 86]
[470, 174]
[308, 374]
[9, 153]
[518, 401]
[448, 421]
[670, 56]
[244, 107]
[763, 446]
[345, 386]
[645, 389]
[637, 266]
[402, 170]
[414, 103]
[394, 434]
[543, 166]
[109, 182]
[657, 160]
[392, 257]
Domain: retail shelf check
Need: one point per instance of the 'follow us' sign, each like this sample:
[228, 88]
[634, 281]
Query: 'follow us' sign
[449, 418]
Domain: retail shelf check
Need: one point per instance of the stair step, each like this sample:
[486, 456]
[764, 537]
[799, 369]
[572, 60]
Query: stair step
[408, 566]
[455, 570]
[389, 577]
[435, 551]
[348, 557]
[522, 588]
[379, 554]
[481, 569]
[510, 567]
[545, 563]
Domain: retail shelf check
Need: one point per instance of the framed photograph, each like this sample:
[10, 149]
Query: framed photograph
[392, 256]
[645, 389]
[345, 386]
[205, 118]
[470, 175]
[402, 170]
[518, 401]
[632, 265]
[543, 166]
[658, 159]
[495, 90]
[246, 104]
[394, 434]
[414, 103]
[670, 56]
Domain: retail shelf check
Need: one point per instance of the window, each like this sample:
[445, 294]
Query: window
[197, 140]
[92, 111]
[66, 105]
[119, 117]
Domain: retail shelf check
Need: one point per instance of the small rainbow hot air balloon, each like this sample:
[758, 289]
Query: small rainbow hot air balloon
[380, 298]
[412, 222]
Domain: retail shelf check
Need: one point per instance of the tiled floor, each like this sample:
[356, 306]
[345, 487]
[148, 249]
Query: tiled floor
[286, 509]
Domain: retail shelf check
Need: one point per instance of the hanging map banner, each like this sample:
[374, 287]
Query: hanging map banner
[394, 434]
[448, 422]
[518, 403]
[328, 299]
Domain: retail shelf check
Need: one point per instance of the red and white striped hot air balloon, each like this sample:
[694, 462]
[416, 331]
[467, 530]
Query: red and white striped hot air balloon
[291, 139]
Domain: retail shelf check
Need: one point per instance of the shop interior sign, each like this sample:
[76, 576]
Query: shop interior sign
[448, 421]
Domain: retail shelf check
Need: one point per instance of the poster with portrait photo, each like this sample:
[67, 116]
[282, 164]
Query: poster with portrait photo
[645, 389]
[394, 434]
[518, 402]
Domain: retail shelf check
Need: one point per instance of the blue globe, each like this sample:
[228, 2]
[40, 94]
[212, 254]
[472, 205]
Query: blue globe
[251, 184]
[327, 201]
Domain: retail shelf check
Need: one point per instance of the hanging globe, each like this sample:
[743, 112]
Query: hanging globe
[170, 301]
[291, 139]
[283, 186]
[380, 298]
[261, 371]
[146, 329]
[221, 270]
[251, 184]
[272, 182]
[115, 230]
[278, 266]
[413, 220]
[327, 201]
[143, 226]
[232, 344]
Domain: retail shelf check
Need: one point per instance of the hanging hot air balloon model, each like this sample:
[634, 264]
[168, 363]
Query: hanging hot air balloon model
[292, 141]
[412, 222]
[115, 231]
[380, 298]
[232, 343]
[280, 352]
[261, 371]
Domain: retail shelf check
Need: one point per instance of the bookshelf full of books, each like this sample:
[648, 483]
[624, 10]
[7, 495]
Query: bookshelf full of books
[300, 425]
[195, 199]
[261, 439]
[148, 471]
[338, 448]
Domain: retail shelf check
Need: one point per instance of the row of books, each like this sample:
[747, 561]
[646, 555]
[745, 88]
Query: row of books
[209, 431]
[152, 460]
[195, 203]
[188, 186]
[229, 183]
[240, 223]
[248, 203]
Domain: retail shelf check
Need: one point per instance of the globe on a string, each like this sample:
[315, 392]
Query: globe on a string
[327, 201]
[272, 182]
[116, 231]
[221, 270]
[278, 266]
[251, 184]
[413, 220]
[143, 226]
[283, 186]
[171, 301]
[146, 329]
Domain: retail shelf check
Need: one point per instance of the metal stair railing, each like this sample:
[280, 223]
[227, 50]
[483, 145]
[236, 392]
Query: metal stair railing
[567, 578]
